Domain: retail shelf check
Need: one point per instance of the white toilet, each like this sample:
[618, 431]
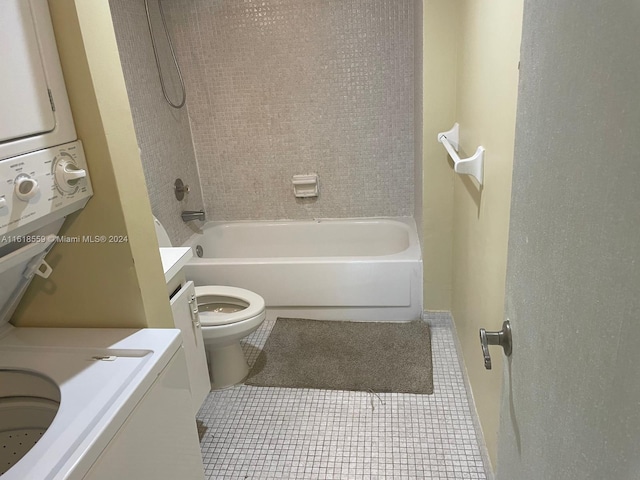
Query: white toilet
[227, 315]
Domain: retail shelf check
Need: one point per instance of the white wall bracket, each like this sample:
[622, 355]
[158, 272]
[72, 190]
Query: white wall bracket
[473, 165]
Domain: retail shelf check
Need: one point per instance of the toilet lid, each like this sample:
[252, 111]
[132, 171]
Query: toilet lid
[225, 294]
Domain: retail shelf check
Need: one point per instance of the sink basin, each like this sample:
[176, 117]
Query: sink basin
[28, 404]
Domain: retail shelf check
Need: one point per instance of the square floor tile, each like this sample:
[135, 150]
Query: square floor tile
[285, 433]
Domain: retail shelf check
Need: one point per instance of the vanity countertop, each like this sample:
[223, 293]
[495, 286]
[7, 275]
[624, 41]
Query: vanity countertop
[173, 259]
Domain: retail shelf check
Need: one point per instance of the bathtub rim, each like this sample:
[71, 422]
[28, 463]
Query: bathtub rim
[412, 253]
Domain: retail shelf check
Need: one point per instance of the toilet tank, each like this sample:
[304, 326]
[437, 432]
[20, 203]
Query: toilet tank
[161, 233]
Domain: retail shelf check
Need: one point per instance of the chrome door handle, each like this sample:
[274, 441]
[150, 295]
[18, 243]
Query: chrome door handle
[502, 338]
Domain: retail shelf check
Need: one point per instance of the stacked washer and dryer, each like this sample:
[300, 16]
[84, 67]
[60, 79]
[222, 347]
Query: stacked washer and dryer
[74, 403]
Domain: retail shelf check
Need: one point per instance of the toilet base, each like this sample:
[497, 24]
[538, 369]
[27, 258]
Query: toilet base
[227, 365]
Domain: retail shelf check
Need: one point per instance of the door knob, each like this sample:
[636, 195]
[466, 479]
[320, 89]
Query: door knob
[502, 338]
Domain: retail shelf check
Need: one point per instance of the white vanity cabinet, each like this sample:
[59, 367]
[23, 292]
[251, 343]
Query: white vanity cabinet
[185, 317]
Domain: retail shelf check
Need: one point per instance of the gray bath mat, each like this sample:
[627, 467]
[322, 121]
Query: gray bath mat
[367, 356]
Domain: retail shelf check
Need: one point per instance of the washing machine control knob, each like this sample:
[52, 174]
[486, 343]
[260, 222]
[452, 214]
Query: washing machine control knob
[68, 174]
[25, 187]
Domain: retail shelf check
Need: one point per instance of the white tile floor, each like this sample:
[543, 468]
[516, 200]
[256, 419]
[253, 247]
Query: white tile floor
[280, 433]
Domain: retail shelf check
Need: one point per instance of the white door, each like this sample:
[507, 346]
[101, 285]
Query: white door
[185, 317]
[571, 396]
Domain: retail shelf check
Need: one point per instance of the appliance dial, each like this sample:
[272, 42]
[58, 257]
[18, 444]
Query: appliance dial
[25, 187]
[68, 174]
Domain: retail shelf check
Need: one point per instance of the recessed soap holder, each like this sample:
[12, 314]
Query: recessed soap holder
[305, 186]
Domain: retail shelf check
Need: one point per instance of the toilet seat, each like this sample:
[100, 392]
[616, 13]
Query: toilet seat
[255, 304]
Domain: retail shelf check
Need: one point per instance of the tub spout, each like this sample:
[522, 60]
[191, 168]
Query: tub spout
[189, 215]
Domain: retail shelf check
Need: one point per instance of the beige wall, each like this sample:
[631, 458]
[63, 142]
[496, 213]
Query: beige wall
[487, 87]
[471, 54]
[101, 285]
[440, 39]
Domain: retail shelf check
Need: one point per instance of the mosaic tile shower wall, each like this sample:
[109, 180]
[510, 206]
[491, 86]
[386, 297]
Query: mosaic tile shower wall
[284, 87]
[163, 133]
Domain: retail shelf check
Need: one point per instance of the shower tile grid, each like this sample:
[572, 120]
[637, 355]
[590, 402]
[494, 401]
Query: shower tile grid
[284, 433]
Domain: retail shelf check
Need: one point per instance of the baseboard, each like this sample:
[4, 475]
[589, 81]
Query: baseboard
[443, 318]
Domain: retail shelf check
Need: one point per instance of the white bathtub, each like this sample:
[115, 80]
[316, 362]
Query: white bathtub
[359, 270]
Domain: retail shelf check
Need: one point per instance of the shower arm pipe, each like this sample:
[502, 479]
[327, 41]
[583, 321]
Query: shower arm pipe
[173, 55]
[474, 165]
